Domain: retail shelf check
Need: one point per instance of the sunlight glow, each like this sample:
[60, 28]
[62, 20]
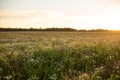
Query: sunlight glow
[45, 18]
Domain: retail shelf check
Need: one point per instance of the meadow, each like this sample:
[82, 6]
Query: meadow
[50, 55]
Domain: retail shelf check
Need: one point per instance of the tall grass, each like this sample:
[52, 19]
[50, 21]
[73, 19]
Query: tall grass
[59, 56]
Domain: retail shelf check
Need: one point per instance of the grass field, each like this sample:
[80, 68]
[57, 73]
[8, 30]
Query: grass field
[59, 55]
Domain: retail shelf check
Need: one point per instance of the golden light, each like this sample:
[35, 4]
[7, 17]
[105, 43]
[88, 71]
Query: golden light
[36, 19]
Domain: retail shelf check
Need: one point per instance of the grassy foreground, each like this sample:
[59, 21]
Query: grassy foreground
[59, 55]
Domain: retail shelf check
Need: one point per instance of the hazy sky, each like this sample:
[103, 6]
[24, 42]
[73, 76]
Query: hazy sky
[79, 14]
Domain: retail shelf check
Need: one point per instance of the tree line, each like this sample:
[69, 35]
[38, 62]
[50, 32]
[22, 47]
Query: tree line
[51, 29]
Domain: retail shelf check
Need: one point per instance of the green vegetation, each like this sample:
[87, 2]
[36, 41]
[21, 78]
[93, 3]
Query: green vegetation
[59, 55]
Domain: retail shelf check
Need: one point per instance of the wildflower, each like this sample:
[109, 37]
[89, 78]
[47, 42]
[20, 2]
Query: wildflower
[85, 76]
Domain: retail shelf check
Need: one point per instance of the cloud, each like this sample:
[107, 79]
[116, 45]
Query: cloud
[28, 18]
[22, 13]
[30, 14]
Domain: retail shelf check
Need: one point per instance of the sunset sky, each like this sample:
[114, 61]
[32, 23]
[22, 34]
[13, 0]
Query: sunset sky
[78, 14]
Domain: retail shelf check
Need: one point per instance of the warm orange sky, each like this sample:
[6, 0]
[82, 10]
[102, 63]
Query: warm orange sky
[79, 14]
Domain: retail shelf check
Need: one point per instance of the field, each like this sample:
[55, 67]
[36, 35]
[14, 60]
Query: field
[59, 55]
